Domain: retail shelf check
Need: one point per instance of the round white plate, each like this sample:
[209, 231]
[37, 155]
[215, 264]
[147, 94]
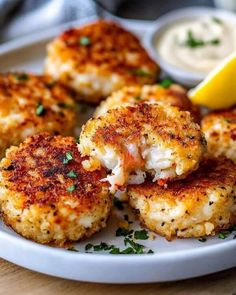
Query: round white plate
[179, 259]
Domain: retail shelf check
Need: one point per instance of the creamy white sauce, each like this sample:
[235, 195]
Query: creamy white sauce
[197, 45]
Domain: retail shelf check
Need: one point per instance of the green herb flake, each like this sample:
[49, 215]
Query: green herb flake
[166, 83]
[150, 251]
[88, 247]
[100, 247]
[72, 174]
[77, 139]
[115, 250]
[214, 41]
[140, 72]
[217, 20]
[223, 235]
[22, 77]
[68, 157]
[193, 42]
[122, 232]
[118, 204]
[202, 240]
[128, 250]
[138, 248]
[84, 41]
[71, 188]
[141, 235]
[40, 110]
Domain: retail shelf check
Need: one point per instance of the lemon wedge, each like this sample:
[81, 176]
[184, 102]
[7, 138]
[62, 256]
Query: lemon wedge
[218, 89]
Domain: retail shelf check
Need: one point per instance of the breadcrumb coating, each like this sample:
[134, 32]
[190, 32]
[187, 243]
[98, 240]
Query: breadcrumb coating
[202, 204]
[47, 196]
[99, 58]
[30, 104]
[145, 138]
[219, 128]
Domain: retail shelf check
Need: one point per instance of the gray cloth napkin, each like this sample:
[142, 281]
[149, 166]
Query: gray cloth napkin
[22, 17]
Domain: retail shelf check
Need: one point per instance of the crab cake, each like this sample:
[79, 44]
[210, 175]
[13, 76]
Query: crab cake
[220, 131]
[99, 58]
[30, 104]
[47, 196]
[130, 141]
[200, 205]
[174, 95]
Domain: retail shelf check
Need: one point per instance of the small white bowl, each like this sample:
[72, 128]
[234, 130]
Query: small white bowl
[184, 77]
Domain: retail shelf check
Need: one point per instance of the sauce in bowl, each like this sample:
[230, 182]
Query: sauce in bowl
[197, 45]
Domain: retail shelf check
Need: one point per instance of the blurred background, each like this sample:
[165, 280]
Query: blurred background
[22, 17]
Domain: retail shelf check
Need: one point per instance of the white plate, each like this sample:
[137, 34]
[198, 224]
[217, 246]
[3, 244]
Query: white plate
[179, 259]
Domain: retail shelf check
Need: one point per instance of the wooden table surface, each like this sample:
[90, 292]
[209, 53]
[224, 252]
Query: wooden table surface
[19, 281]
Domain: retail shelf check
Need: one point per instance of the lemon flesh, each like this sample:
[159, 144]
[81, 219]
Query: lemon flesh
[218, 89]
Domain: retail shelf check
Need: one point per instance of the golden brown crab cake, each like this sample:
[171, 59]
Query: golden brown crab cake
[47, 196]
[174, 95]
[130, 141]
[99, 58]
[200, 205]
[219, 128]
[30, 104]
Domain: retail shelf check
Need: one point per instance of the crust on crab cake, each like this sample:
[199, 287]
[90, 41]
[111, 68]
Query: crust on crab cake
[201, 205]
[47, 196]
[219, 128]
[174, 95]
[99, 58]
[30, 104]
[145, 138]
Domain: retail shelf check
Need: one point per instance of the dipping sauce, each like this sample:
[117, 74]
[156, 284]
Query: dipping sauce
[197, 45]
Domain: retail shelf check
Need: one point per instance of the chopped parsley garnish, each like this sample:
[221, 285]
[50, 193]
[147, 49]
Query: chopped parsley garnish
[22, 77]
[138, 248]
[141, 234]
[71, 188]
[77, 139]
[128, 250]
[84, 41]
[72, 174]
[140, 72]
[118, 204]
[68, 157]
[193, 42]
[214, 41]
[123, 232]
[166, 83]
[100, 247]
[225, 233]
[115, 251]
[132, 248]
[203, 240]
[217, 20]
[88, 247]
[40, 110]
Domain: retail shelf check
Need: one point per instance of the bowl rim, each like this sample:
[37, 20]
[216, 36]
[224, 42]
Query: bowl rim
[172, 17]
